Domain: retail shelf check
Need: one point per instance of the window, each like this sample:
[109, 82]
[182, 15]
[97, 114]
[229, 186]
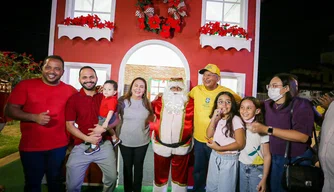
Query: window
[71, 74]
[233, 12]
[105, 9]
[234, 81]
[156, 86]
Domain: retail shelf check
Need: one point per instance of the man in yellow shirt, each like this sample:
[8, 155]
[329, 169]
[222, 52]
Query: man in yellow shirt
[204, 96]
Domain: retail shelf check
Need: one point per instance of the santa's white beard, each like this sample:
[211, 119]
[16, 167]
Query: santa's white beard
[174, 102]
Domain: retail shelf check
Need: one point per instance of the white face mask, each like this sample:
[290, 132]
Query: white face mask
[274, 93]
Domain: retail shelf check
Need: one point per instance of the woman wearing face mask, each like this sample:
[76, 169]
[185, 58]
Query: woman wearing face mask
[282, 91]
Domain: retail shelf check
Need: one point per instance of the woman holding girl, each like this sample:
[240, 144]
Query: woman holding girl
[136, 112]
[228, 134]
[255, 158]
[282, 126]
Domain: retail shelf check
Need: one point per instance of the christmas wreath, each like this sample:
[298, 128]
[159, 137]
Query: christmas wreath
[166, 27]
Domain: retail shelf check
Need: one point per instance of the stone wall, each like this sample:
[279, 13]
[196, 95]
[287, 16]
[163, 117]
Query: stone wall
[148, 72]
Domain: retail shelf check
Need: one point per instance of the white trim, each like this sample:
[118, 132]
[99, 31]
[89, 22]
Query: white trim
[241, 77]
[256, 47]
[203, 12]
[52, 27]
[243, 14]
[69, 9]
[113, 11]
[72, 31]
[226, 42]
[145, 43]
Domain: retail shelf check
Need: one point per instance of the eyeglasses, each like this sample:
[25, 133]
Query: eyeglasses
[224, 102]
[273, 86]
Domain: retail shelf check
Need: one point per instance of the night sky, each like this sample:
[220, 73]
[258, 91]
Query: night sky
[293, 33]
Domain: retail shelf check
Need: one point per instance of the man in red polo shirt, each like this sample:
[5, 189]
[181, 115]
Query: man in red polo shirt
[40, 106]
[83, 109]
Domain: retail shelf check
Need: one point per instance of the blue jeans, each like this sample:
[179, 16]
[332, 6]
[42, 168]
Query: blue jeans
[277, 168]
[250, 176]
[102, 119]
[36, 164]
[222, 172]
[202, 155]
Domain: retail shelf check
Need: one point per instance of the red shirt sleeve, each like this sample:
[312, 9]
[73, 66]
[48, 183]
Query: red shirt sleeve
[70, 113]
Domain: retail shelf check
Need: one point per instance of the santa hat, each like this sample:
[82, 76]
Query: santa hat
[176, 82]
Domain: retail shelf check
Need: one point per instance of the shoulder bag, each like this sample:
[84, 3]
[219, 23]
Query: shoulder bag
[301, 178]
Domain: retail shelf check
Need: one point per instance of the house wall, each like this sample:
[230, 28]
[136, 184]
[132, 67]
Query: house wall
[127, 34]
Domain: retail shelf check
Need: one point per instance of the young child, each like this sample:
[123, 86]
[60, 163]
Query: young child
[228, 134]
[255, 158]
[107, 114]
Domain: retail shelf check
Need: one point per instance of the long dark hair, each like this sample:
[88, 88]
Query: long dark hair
[234, 111]
[258, 105]
[291, 81]
[146, 102]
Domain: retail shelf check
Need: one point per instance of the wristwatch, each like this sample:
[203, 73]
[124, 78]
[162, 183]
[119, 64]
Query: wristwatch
[270, 130]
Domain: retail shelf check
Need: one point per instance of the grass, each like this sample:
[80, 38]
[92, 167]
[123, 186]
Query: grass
[10, 138]
[13, 179]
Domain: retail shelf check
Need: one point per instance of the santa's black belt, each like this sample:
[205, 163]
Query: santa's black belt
[173, 145]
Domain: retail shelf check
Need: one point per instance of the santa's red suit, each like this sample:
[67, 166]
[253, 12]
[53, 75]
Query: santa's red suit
[172, 141]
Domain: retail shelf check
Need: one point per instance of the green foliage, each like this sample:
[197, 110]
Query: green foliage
[15, 67]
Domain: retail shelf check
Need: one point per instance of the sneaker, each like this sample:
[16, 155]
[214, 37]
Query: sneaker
[115, 143]
[91, 151]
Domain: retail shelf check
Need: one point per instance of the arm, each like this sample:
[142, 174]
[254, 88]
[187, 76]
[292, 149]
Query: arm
[266, 167]
[94, 138]
[150, 118]
[210, 131]
[286, 134]
[15, 112]
[239, 144]
[105, 123]
[325, 101]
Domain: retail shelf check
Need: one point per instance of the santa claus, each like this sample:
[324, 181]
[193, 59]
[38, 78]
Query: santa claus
[172, 136]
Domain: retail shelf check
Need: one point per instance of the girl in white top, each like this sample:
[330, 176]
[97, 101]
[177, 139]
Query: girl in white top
[228, 134]
[255, 158]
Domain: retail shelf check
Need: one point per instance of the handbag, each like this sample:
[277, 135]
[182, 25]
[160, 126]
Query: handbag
[298, 177]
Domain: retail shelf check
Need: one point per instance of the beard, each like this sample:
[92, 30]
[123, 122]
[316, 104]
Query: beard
[88, 88]
[174, 102]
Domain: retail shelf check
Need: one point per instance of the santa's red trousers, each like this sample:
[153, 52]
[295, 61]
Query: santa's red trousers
[179, 169]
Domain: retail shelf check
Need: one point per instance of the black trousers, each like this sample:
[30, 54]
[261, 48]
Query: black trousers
[133, 161]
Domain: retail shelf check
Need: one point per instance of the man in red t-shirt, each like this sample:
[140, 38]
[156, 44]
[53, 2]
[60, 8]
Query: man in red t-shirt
[83, 109]
[40, 106]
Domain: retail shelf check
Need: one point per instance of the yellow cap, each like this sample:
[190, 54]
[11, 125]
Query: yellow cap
[212, 68]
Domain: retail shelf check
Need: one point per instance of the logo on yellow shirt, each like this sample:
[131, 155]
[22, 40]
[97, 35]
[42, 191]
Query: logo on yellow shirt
[207, 100]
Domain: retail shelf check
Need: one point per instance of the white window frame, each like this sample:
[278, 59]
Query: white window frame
[241, 78]
[77, 65]
[159, 86]
[243, 12]
[69, 9]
